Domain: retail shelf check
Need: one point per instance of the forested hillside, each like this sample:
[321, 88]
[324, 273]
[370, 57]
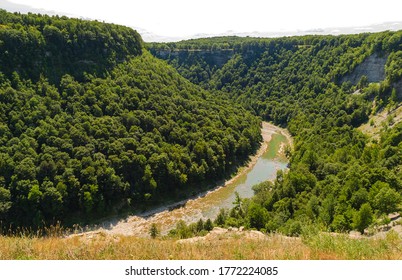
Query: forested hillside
[35, 45]
[90, 123]
[338, 178]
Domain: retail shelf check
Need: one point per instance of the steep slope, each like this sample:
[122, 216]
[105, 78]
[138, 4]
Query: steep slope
[338, 179]
[88, 146]
[33, 45]
[373, 68]
[381, 121]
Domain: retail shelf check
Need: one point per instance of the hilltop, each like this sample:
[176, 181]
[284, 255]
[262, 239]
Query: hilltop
[93, 125]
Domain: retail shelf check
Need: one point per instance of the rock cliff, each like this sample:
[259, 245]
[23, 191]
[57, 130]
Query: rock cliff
[212, 57]
[373, 67]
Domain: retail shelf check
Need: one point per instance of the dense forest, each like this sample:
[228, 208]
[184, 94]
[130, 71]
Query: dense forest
[91, 124]
[339, 178]
[35, 45]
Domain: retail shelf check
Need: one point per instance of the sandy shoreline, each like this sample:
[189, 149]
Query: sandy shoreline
[267, 131]
[138, 224]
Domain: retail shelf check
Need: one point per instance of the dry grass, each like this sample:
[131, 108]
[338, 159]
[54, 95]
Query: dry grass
[326, 246]
[102, 246]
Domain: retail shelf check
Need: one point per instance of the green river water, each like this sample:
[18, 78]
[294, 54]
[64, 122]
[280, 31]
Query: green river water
[208, 204]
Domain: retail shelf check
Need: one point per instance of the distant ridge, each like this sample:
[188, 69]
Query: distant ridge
[149, 36]
[391, 26]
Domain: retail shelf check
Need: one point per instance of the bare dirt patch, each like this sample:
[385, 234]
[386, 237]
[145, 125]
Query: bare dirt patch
[381, 120]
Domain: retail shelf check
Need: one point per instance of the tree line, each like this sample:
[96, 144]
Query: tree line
[52, 46]
[84, 144]
[339, 178]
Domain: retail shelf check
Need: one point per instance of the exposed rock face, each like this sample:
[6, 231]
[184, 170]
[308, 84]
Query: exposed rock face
[373, 67]
[213, 57]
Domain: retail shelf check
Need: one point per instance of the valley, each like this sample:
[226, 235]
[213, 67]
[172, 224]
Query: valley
[118, 141]
[261, 167]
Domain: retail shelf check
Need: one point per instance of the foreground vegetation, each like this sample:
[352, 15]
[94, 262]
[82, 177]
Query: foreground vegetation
[102, 246]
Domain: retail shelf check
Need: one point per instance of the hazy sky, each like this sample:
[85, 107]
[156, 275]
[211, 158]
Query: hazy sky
[178, 18]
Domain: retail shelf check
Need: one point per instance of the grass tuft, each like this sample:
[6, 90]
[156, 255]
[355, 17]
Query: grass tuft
[106, 247]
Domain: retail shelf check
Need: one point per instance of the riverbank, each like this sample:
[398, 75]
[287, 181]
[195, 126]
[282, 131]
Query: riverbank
[267, 131]
[189, 210]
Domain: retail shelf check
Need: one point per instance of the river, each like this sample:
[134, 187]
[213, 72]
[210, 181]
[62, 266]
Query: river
[262, 166]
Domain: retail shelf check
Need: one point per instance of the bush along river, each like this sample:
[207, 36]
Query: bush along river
[263, 166]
